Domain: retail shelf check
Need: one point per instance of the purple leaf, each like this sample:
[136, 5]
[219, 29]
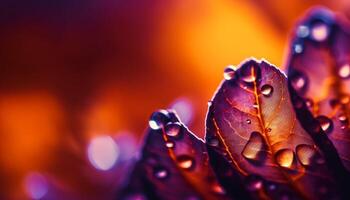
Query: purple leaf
[173, 165]
[251, 122]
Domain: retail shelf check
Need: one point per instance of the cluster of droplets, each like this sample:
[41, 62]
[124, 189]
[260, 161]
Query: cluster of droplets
[317, 31]
[255, 151]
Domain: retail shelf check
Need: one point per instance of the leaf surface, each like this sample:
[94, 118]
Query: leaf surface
[173, 165]
[251, 122]
[320, 73]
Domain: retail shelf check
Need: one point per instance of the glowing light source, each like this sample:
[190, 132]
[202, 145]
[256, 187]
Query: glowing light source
[103, 152]
[36, 185]
[184, 109]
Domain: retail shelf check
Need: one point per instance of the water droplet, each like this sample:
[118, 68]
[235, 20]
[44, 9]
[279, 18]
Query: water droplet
[298, 48]
[305, 154]
[170, 144]
[325, 123]
[342, 118]
[254, 183]
[158, 119]
[309, 103]
[218, 189]
[299, 81]
[303, 31]
[255, 105]
[185, 162]
[249, 121]
[267, 90]
[250, 72]
[320, 31]
[173, 129]
[268, 129]
[213, 141]
[254, 149]
[344, 71]
[210, 103]
[285, 158]
[160, 172]
[229, 72]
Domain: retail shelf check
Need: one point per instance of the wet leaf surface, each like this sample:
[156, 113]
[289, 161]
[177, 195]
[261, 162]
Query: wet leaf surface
[320, 74]
[252, 124]
[173, 165]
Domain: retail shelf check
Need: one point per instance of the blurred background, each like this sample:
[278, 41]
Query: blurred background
[80, 78]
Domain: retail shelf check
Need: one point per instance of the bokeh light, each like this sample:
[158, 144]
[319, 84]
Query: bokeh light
[103, 152]
[36, 185]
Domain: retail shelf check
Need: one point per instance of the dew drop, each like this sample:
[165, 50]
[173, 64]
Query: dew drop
[185, 162]
[342, 118]
[299, 81]
[325, 123]
[298, 48]
[158, 119]
[285, 158]
[229, 72]
[250, 72]
[344, 71]
[320, 31]
[173, 129]
[303, 31]
[309, 103]
[218, 189]
[267, 90]
[254, 183]
[253, 150]
[170, 144]
[160, 172]
[249, 121]
[213, 141]
[305, 154]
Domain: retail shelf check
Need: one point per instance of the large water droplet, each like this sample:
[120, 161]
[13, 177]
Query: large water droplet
[320, 31]
[229, 72]
[267, 90]
[254, 149]
[325, 123]
[285, 158]
[185, 162]
[254, 182]
[158, 119]
[160, 172]
[250, 72]
[173, 129]
[344, 71]
[306, 154]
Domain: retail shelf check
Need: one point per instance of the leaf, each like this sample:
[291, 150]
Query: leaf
[320, 74]
[252, 122]
[173, 165]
